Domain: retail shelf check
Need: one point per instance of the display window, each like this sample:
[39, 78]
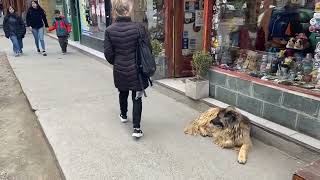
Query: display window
[155, 19]
[93, 17]
[274, 40]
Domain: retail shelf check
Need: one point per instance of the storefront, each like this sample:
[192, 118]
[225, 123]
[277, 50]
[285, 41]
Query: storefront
[265, 54]
[95, 16]
[180, 26]
[267, 60]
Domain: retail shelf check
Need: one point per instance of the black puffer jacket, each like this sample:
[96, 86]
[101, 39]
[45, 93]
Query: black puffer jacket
[120, 47]
[14, 25]
[36, 18]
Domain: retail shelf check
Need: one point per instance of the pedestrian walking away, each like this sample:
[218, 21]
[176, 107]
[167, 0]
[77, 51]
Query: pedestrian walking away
[15, 30]
[120, 45]
[63, 29]
[37, 20]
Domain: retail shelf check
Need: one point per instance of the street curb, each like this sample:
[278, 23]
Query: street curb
[62, 175]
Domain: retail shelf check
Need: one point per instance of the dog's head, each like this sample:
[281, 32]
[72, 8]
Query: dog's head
[226, 118]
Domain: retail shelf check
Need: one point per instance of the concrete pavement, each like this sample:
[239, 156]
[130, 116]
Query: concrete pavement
[77, 106]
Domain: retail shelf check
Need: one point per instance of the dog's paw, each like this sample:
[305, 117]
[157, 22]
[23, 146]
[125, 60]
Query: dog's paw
[242, 160]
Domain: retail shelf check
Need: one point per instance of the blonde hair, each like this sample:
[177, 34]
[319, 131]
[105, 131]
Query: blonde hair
[122, 7]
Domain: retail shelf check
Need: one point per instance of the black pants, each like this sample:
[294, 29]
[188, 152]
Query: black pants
[63, 41]
[137, 106]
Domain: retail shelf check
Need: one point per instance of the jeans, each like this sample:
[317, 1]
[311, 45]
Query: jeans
[137, 106]
[63, 41]
[17, 44]
[38, 35]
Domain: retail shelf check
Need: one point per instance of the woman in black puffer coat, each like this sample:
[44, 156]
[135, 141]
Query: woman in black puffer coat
[15, 30]
[120, 47]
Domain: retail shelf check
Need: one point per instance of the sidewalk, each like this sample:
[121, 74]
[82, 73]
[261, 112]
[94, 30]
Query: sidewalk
[77, 106]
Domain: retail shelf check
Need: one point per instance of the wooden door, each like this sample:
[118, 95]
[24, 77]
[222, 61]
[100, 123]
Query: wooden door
[188, 34]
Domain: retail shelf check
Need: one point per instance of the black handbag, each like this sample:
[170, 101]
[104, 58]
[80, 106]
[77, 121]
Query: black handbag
[145, 58]
[145, 61]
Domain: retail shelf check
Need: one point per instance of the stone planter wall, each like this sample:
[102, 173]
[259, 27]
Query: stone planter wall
[162, 68]
[293, 110]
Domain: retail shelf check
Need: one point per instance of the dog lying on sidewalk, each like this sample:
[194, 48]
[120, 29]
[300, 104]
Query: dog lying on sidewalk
[228, 128]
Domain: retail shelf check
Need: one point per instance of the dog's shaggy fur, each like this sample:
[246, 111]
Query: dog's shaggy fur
[228, 128]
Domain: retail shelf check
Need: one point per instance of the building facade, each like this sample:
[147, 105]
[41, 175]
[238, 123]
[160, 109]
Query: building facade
[266, 52]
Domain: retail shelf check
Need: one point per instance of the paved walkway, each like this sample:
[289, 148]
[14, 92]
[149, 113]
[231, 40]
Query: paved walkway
[76, 103]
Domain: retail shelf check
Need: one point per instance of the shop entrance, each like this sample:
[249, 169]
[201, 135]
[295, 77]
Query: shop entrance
[179, 26]
[188, 34]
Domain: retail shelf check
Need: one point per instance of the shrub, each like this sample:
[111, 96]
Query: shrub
[201, 63]
[156, 47]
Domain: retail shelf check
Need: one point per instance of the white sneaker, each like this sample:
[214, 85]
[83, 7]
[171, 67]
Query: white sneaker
[123, 119]
[137, 133]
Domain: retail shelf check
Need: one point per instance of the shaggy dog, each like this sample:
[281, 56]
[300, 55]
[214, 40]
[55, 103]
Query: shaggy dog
[228, 128]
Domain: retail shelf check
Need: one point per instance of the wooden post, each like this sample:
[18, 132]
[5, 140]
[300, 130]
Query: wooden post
[208, 4]
[168, 5]
[178, 35]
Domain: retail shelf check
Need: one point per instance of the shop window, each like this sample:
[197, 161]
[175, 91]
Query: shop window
[155, 19]
[274, 40]
[93, 17]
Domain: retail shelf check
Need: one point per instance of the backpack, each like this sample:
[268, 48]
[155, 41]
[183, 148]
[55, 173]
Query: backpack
[146, 63]
[63, 28]
[145, 58]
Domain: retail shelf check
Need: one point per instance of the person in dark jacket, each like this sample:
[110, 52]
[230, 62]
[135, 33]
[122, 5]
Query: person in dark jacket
[120, 47]
[15, 30]
[37, 20]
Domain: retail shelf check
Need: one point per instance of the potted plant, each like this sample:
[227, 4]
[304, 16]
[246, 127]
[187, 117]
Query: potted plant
[158, 54]
[198, 87]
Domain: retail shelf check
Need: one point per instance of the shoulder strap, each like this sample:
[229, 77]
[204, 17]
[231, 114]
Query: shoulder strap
[139, 32]
[141, 35]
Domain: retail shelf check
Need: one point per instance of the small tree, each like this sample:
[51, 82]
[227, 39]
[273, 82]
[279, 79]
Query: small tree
[156, 47]
[201, 63]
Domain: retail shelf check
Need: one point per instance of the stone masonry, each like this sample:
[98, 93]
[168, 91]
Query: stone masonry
[294, 111]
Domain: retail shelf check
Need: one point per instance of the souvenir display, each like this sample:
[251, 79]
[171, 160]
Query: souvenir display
[282, 42]
[241, 60]
[264, 63]
[307, 65]
[251, 61]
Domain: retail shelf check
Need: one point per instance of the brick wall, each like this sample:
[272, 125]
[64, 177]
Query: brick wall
[298, 112]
